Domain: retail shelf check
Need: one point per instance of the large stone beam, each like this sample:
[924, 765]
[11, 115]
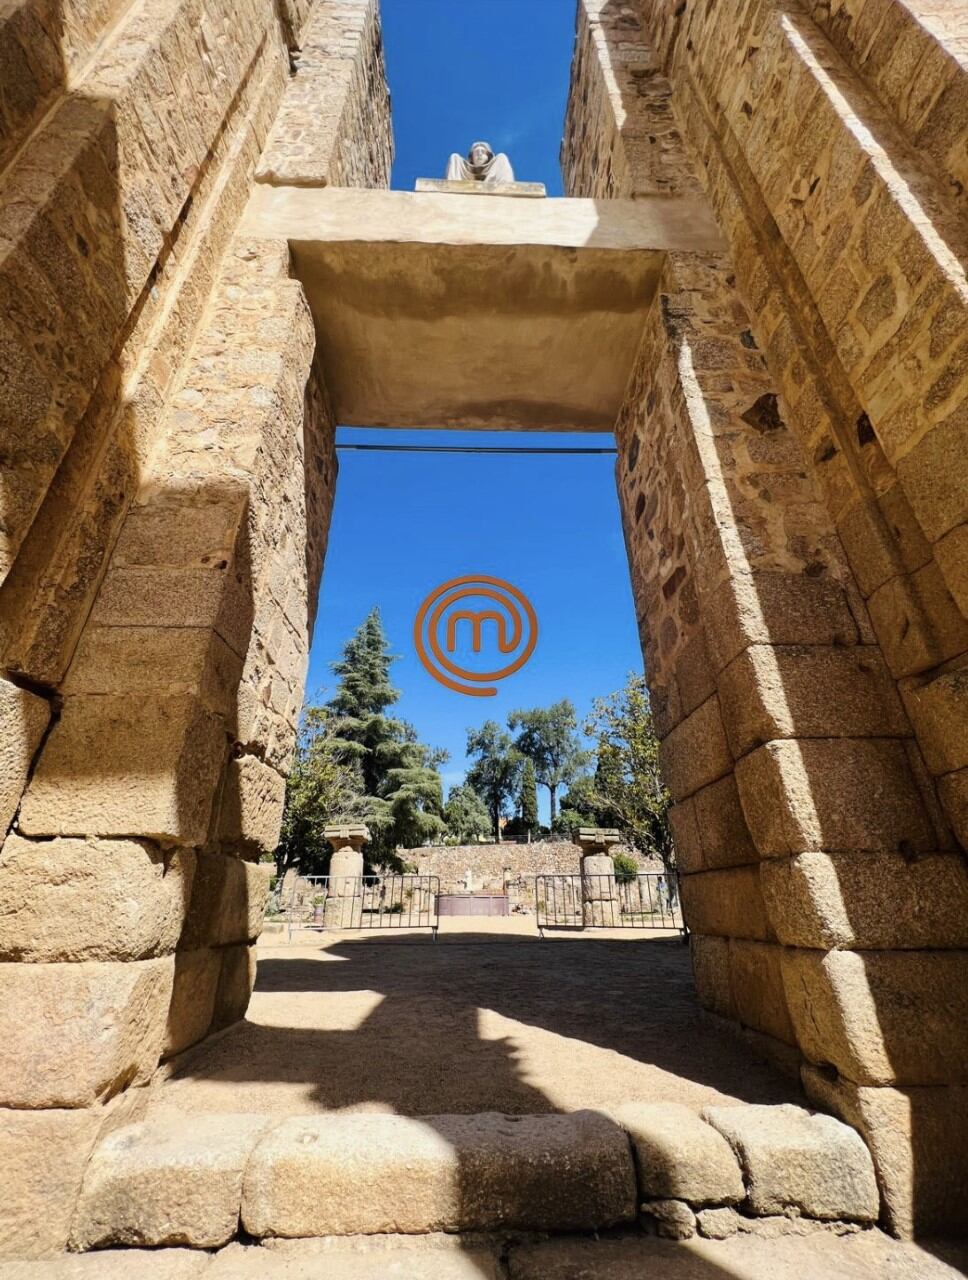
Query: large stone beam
[445, 310]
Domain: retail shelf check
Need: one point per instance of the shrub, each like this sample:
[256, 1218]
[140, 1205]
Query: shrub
[626, 868]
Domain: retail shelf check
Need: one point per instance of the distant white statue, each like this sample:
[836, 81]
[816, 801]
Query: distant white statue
[481, 165]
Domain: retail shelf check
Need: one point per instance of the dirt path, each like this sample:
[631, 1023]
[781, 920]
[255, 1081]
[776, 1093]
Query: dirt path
[479, 1022]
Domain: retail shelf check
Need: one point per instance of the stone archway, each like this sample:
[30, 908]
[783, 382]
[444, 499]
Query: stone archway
[790, 472]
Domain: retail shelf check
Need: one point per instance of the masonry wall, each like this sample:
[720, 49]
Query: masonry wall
[167, 475]
[506, 867]
[792, 454]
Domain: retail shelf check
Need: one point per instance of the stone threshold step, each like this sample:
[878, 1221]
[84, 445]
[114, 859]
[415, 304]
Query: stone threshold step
[198, 1180]
[815, 1255]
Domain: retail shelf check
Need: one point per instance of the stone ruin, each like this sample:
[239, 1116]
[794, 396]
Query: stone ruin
[757, 278]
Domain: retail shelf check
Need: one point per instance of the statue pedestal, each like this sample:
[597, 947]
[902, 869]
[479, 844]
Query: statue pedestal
[443, 186]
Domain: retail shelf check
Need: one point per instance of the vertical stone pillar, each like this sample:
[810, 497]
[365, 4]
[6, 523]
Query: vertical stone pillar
[599, 888]
[344, 900]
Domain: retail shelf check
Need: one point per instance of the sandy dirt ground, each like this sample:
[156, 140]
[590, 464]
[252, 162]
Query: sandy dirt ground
[490, 1018]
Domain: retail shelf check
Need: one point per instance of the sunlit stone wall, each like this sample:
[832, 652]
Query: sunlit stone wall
[167, 475]
[793, 478]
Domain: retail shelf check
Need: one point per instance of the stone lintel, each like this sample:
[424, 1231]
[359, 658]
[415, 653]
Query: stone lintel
[597, 838]
[352, 834]
[447, 186]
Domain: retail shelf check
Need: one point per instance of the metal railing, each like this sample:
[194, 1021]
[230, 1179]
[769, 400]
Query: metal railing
[363, 902]
[649, 900]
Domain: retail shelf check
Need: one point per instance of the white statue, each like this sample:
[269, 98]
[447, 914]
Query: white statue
[481, 165]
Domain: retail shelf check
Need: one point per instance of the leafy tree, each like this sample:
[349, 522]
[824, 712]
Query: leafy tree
[466, 813]
[548, 736]
[627, 788]
[322, 787]
[528, 799]
[580, 807]
[494, 774]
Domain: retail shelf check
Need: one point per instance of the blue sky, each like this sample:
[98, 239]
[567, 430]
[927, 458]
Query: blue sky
[405, 523]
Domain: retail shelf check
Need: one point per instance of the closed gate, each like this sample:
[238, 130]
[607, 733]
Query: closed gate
[363, 902]
[649, 900]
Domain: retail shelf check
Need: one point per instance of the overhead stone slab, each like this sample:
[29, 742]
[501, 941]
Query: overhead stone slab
[528, 313]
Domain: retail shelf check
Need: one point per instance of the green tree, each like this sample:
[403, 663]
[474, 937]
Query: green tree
[401, 796]
[528, 799]
[627, 789]
[580, 807]
[466, 814]
[548, 736]
[322, 787]
[495, 771]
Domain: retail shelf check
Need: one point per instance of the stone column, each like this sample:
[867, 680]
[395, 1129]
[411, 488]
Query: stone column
[344, 901]
[599, 888]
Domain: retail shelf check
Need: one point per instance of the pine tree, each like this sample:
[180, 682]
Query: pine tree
[494, 774]
[402, 800]
[466, 814]
[528, 800]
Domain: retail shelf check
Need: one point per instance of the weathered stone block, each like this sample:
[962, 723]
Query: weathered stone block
[935, 476]
[91, 899]
[235, 983]
[919, 1141]
[167, 1182]
[832, 793]
[251, 809]
[951, 554]
[953, 791]
[939, 713]
[710, 967]
[918, 624]
[192, 1007]
[867, 900]
[678, 1155]
[157, 660]
[228, 901]
[774, 608]
[23, 719]
[341, 1174]
[119, 1264]
[670, 1219]
[795, 1161]
[723, 834]
[809, 691]
[881, 1017]
[121, 766]
[73, 1033]
[756, 981]
[727, 903]
[696, 752]
[42, 1154]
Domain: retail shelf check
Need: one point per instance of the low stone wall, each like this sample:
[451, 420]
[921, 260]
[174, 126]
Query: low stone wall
[504, 868]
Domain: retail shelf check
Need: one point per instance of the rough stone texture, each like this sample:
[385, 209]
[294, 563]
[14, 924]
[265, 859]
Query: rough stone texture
[854, 1009]
[343, 1174]
[23, 719]
[91, 899]
[670, 1219]
[867, 900]
[74, 1033]
[166, 1183]
[194, 990]
[127, 767]
[149, 1264]
[727, 903]
[251, 809]
[43, 1155]
[833, 793]
[919, 1141]
[228, 901]
[678, 1156]
[797, 1162]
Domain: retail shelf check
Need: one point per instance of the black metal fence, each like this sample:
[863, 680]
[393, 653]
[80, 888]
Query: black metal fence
[649, 900]
[363, 902]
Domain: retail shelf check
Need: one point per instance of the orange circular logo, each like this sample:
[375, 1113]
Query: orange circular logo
[502, 612]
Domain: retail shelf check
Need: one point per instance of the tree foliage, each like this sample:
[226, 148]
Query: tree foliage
[466, 814]
[496, 769]
[548, 736]
[528, 799]
[627, 791]
[359, 763]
